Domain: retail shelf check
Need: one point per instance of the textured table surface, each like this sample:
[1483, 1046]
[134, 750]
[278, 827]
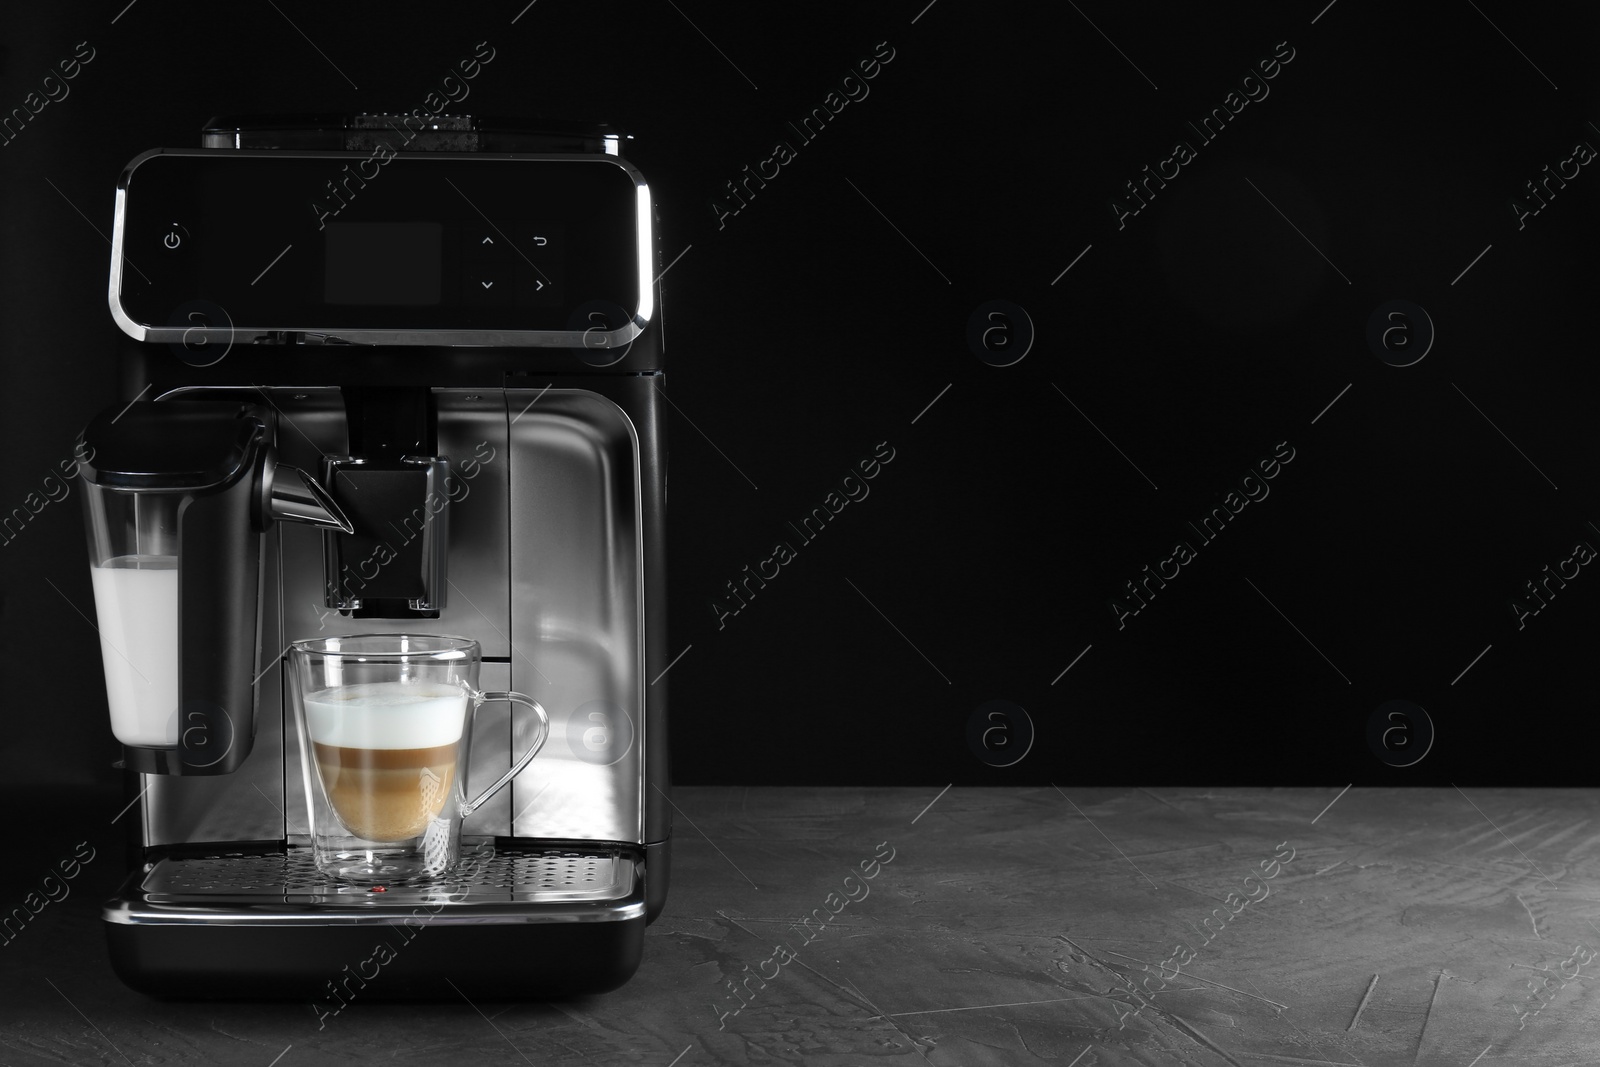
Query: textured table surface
[1010, 927]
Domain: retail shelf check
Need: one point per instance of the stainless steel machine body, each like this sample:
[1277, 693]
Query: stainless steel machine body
[553, 483]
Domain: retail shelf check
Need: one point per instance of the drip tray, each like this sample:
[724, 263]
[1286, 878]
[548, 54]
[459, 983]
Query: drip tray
[506, 883]
[520, 920]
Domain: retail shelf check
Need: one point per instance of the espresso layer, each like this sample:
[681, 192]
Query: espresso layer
[387, 794]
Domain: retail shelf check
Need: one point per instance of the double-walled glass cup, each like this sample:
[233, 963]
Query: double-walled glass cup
[385, 725]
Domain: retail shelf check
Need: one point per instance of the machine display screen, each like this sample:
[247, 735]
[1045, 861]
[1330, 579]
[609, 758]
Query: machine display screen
[383, 263]
[336, 241]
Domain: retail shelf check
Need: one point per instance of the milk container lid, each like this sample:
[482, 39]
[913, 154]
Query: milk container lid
[180, 445]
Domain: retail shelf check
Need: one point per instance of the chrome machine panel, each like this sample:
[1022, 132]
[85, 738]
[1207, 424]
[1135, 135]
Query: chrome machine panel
[577, 614]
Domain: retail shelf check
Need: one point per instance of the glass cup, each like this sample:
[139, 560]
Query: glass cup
[385, 725]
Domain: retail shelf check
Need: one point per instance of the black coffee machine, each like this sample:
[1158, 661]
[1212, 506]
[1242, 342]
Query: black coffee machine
[385, 374]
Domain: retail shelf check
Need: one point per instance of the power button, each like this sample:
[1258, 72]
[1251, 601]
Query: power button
[175, 237]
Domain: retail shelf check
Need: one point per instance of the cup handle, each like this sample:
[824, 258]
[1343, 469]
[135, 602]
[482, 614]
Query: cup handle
[480, 699]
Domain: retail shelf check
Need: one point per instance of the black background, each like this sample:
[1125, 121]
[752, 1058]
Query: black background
[807, 329]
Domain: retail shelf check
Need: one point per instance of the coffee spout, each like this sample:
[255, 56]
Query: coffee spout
[296, 497]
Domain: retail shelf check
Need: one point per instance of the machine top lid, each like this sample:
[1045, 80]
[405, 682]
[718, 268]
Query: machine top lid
[436, 133]
[171, 446]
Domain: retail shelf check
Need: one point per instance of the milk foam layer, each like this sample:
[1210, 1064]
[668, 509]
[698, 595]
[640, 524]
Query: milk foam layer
[387, 715]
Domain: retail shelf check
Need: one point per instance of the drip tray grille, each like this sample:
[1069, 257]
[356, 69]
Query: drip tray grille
[485, 876]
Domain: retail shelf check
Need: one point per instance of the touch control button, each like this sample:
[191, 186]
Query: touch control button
[486, 269]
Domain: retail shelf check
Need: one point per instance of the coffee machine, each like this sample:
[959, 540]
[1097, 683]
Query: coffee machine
[384, 374]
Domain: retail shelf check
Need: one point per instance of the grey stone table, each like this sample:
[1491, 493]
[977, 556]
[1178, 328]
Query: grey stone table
[1000, 926]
